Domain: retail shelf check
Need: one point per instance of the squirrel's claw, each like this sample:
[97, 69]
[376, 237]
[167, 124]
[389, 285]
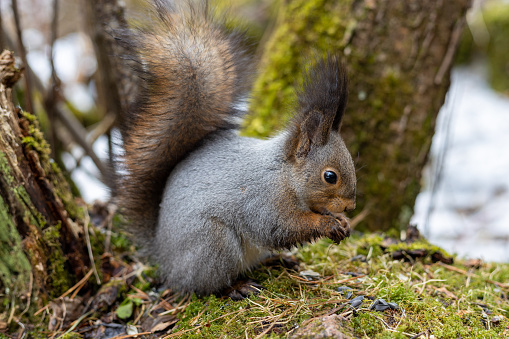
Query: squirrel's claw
[341, 230]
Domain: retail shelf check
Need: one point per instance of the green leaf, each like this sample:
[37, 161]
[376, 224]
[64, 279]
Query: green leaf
[125, 310]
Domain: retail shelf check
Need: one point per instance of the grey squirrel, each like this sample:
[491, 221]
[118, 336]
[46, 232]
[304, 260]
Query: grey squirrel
[205, 203]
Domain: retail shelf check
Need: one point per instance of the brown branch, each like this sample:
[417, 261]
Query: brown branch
[51, 99]
[2, 42]
[80, 136]
[23, 55]
[451, 50]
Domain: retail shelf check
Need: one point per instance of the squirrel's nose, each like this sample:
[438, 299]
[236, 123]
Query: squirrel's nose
[350, 206]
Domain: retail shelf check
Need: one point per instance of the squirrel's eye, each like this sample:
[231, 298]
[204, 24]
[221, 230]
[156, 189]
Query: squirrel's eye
[330, 177]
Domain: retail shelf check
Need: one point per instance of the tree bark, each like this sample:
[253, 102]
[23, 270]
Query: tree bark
[399, 54]
[41, 226]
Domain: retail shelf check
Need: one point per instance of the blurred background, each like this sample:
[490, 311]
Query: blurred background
[464, 202]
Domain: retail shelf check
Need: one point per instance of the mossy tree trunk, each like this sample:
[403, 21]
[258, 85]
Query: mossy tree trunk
[399, 54]
[42, 251]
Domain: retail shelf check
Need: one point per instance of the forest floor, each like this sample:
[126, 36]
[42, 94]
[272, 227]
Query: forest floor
[369, 286]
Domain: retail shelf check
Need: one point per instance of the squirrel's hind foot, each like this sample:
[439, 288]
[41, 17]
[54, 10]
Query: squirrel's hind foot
[241, 289]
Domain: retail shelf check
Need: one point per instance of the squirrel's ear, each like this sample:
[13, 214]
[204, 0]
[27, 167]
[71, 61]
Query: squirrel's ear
[322, 102]
[309, 133]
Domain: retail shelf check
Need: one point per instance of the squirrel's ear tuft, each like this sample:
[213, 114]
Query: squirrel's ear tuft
[325, 90]
[322, 101]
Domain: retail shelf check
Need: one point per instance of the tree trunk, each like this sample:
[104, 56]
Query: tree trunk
[41, 226]
[399, 54]
[117, 80]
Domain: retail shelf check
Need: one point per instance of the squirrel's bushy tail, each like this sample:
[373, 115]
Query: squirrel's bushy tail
[193, 71]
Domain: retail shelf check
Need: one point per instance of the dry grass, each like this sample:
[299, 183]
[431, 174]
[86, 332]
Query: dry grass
[446, 301]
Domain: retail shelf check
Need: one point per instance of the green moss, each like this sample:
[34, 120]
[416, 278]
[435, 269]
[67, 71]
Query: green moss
[72, 335]
[5, 169]
[366, 324]
[30, 117]
[60, 279]
[37, 142]
[288, 300]
[14, 267]
[36, 139]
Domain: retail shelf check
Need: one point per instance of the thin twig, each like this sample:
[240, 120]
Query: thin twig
[75, 323]
[89, 247]
[267, 330]
[69, 291]
[102, 127]
[23, 330]
[29, 294]
[13, 307]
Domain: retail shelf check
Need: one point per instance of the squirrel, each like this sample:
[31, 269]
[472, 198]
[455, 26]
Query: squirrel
[204, 202]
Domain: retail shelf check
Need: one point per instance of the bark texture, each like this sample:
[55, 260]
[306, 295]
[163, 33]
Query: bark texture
[41, 239]
[399, 54]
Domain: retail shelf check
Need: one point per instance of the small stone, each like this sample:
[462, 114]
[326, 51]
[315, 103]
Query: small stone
[343, 288]
[379, 305]
[356, 303]
[310, 275]
[393, 306]
[346, 291]
[360, 298]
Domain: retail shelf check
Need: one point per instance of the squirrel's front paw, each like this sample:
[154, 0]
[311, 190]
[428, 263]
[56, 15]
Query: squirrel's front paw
[339, 228]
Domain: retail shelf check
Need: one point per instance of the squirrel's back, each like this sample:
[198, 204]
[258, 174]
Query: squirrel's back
[193, 71]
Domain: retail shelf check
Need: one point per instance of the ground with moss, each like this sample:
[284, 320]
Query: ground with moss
[467, 299]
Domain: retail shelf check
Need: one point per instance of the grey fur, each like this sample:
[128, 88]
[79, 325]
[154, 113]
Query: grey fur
[219, 214]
